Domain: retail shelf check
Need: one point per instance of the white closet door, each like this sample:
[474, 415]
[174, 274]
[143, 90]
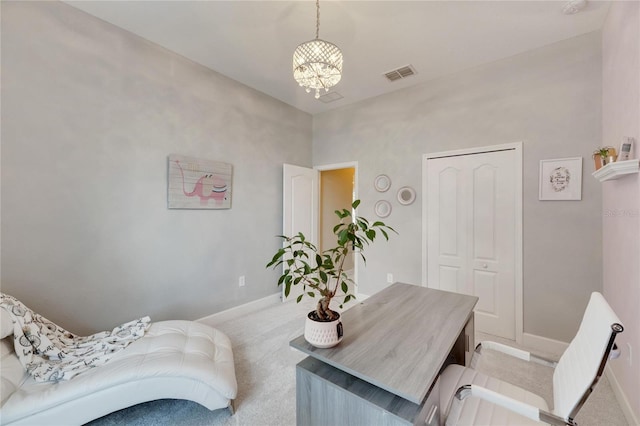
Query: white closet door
[471, 234]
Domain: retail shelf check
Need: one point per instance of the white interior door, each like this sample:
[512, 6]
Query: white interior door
[471, 240]
[300, 208]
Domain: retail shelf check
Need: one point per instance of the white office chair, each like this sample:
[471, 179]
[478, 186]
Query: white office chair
[468, 397]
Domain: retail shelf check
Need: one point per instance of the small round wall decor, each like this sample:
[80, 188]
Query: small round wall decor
[382, 183]
[406, 195]
[382, 208]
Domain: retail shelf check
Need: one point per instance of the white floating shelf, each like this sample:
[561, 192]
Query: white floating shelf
[616, 170]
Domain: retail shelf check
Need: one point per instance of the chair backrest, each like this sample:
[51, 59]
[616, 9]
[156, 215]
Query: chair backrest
[582, 364]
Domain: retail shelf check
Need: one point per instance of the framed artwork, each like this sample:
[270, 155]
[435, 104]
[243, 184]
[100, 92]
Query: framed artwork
[561, 179]
[195, 183]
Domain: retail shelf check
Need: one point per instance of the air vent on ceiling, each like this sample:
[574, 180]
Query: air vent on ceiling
[330, 97]
[400, 73]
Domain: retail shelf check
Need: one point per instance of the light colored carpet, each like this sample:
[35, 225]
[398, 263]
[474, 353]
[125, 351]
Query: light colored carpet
[265, 370]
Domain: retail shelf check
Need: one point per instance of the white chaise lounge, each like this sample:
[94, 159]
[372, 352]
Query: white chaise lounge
[174, 359]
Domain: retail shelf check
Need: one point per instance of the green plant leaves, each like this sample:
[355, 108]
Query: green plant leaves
[371, 234]
[343, 237]
[276, 257]
[352, 234]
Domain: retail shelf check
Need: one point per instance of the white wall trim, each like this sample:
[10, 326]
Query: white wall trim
[544, 345]
[241, 310]
[337, 166]
[518, 212]
[361, 297]
[622, 399]
[476, 150]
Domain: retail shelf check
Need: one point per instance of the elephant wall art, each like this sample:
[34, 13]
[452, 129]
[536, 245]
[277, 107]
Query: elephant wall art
[198, 184]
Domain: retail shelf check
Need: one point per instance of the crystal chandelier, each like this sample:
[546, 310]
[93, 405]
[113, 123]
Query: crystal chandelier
[317, 64]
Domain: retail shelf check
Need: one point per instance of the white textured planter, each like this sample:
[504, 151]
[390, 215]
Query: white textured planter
[323, 334]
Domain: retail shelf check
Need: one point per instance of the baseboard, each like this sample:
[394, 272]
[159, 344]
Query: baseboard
[631, 417]
[239, 311]
[362, 297]
[544, 345]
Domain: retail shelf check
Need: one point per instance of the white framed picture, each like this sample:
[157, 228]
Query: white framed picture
[561, 179]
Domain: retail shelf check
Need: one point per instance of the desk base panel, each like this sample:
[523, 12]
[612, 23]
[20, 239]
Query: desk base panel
[328, 396]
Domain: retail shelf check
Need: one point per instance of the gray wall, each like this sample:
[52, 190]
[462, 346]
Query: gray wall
[621, 197]
[89, 114]
[550, 99]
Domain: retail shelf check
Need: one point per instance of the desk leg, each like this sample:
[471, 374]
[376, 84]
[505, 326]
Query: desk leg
[465, 344]
[469, 333]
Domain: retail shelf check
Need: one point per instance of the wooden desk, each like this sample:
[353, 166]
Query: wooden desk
[395, 344]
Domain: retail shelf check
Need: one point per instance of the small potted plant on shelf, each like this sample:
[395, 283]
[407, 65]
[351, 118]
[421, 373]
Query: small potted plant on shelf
[323, 274]
[603, 156]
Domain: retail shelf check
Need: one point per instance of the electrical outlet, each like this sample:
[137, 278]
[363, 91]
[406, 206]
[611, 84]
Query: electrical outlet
[629, 358]
[390, 278]
[241, 281]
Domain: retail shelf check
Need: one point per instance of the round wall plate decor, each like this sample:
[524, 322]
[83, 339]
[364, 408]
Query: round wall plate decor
[382, 208]
[406, 195]
[382, 183]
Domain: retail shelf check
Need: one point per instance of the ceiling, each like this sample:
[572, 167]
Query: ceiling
[253, 41]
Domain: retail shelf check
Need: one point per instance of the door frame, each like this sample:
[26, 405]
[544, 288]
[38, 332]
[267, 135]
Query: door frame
[518, 237]
[337, 166]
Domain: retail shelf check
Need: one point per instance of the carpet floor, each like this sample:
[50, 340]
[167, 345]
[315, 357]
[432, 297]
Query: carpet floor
[265, 371]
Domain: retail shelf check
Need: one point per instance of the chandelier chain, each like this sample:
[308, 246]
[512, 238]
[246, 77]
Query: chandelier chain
[317, 19]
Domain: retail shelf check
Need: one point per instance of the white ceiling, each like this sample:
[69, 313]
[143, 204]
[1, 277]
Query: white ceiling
[253, 41]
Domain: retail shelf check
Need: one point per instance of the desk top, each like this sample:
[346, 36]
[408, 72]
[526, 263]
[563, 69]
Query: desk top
[398, 338]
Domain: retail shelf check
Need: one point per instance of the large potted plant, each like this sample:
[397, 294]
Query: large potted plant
[323, 274]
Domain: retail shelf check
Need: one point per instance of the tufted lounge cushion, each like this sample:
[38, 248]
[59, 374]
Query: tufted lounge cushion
[6, 324]
[175, 359]
[13, 375]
